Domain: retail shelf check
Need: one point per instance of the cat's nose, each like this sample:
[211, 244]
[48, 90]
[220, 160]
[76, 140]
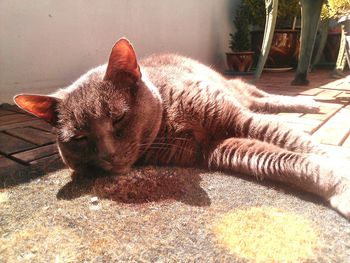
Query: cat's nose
[106, 158]
[105, 148]
[105, 163]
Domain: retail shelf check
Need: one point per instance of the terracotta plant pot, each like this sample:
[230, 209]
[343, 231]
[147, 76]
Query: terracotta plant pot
[331, 49]
[240, 61]
[284, 49]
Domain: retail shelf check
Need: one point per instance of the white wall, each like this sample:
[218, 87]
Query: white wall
[48, 44]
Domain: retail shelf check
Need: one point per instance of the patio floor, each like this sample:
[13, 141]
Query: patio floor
[27, 141]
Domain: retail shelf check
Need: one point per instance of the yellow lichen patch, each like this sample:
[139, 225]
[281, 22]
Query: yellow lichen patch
[4, 197]
[266, 234]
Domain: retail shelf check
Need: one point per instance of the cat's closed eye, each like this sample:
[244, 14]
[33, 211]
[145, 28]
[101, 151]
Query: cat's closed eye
[79, 138]
[118, 118]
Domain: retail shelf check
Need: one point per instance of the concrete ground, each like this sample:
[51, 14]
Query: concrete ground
[166, 214]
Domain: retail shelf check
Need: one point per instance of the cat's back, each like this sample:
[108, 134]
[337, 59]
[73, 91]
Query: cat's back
[169, 61]
[173, 69]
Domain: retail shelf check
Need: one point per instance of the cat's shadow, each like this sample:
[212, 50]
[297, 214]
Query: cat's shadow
[157, 184]
[142, 185]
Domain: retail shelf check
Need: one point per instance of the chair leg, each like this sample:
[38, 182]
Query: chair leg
[271, 7]
[341, 60]
[310, 17]
[347, 39]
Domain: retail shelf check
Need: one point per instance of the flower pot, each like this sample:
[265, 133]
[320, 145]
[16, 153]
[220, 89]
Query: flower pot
[240, 61]
[284, 49]
[331, 48]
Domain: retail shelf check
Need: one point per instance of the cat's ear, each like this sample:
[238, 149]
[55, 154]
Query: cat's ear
[41, 106]
[122, 60]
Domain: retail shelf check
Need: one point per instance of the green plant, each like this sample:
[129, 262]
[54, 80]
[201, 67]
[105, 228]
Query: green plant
[287, 10]
[240, 40]
[325, 12]
[335, 9]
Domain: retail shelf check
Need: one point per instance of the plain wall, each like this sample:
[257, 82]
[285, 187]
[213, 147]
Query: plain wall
[45, 45]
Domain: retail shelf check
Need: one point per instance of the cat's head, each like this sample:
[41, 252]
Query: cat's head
[107, 118]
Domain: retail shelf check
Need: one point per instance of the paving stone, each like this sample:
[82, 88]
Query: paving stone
[10, 144]
[15, 118]
[37, 153]
[33, 135]
[6, 112]
[335, 130]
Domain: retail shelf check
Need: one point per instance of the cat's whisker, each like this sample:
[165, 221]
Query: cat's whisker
[169, 143]
[174, 138]
[164, 146]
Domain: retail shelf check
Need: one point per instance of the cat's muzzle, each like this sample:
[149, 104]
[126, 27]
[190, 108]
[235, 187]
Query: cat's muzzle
[113, 167]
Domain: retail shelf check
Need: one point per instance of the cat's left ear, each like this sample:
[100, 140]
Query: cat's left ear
[40, 106]
[122, 60]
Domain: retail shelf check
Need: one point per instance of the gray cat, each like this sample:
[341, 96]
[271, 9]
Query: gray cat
[172, 110]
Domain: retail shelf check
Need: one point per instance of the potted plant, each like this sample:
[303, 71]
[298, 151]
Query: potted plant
[241, 57]
[285, 44]
[329, 35]
[327, 43]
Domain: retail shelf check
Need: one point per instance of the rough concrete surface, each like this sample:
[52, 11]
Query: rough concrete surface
[158, 214]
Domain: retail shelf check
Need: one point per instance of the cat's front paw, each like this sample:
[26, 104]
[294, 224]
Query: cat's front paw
[341, 200]
[308, 105]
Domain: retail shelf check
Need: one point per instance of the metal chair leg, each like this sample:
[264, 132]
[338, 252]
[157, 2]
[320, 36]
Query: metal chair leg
[310, 17]
[271, 7]
[341, 60]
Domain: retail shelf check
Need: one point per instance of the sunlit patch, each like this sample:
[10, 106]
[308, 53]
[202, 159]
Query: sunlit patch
[266, 234]
[4, 197]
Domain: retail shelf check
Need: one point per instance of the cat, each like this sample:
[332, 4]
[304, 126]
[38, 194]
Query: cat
[172, 110]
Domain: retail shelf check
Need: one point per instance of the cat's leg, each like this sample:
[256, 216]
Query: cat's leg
[221, 115]
[268, 129]
[247, 89]
[319, 175]
[261, 101]
[277, 103]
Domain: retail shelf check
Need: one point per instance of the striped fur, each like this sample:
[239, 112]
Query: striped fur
[222, 124]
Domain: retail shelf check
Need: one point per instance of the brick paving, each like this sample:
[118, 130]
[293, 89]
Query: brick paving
[27, 143]
[332, 125]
